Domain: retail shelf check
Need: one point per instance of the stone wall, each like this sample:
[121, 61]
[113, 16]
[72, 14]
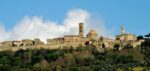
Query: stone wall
[34, 47]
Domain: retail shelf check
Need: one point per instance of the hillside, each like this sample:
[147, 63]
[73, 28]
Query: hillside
[80, 59]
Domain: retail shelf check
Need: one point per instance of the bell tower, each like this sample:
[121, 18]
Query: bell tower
[122, 30]
[81, 29]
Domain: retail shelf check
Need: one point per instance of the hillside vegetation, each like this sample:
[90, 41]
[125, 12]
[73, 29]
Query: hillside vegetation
[80, 59]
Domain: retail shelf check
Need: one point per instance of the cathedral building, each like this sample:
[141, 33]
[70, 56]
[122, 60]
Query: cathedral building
[123, 36]
[75, 40]
[92, 35]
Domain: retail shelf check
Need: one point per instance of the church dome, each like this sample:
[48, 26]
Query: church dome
[92, 32]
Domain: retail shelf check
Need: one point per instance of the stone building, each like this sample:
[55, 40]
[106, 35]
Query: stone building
[125, 36]
[55, 41]
[67, 41]
[72, 40]
[17, 43]
[106, 42]
[37, 41]
[26, 42]
[75, 40]
[6, 44]
[92, 35]
[136, 43]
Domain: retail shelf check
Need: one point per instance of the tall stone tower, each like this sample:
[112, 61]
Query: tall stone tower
[122, 30]
[81, 29]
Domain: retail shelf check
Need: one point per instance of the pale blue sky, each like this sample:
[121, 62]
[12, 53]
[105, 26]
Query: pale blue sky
[133, 14]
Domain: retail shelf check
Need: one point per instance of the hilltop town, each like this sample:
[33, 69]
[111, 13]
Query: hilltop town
[92, 52]
[91, 39]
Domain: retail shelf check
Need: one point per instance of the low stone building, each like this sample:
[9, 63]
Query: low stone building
[55, 41]
[66, 41]
[17, 43]
[37, 41]
[106, 42]
[124, 37]
[26, 42]
[72, 40]
[137, 43]
[7, 44]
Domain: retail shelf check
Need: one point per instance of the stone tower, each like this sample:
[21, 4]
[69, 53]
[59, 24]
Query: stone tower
[81, 29]
[122, 30]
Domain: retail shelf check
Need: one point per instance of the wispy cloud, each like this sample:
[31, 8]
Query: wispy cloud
[37, 27]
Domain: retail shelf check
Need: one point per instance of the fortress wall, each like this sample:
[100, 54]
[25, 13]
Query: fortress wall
[36, 47]
[51, 47]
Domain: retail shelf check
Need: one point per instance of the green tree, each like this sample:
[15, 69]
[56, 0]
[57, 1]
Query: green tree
[140, 37]
[147, 35]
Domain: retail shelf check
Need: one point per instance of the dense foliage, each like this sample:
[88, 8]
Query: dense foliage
[80, 59]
